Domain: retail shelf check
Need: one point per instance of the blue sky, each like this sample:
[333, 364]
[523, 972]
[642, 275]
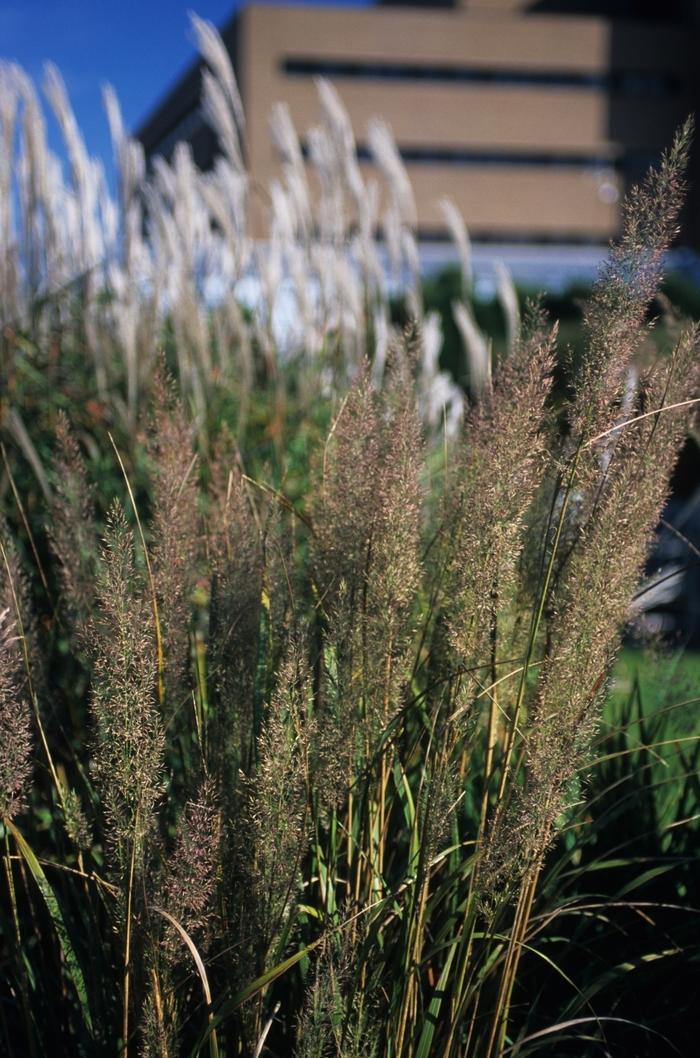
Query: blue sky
[139, 47]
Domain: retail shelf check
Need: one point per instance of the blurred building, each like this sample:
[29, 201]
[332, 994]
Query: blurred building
[532, 115]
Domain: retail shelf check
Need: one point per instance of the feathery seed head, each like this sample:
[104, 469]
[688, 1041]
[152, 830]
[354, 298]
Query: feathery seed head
[15, 722]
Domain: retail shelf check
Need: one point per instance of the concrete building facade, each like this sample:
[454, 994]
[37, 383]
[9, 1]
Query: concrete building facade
[532, 116]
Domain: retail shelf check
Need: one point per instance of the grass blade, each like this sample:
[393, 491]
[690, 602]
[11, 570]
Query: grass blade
[72, 965]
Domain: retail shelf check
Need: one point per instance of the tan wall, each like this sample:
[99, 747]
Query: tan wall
[525, 42]
[477, 117]
[504, 203]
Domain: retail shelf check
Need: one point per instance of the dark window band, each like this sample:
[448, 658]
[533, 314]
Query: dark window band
[633, 164]
[519, 238]
[494, 159]
[628, 83]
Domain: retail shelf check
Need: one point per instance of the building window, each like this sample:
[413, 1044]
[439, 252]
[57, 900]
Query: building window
[467, 157]
[622, 83]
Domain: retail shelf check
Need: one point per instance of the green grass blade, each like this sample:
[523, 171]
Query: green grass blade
[252, 990]
[71, 960]
[431, 1018]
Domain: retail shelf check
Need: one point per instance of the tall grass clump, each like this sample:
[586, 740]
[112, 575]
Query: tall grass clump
[307, 741]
